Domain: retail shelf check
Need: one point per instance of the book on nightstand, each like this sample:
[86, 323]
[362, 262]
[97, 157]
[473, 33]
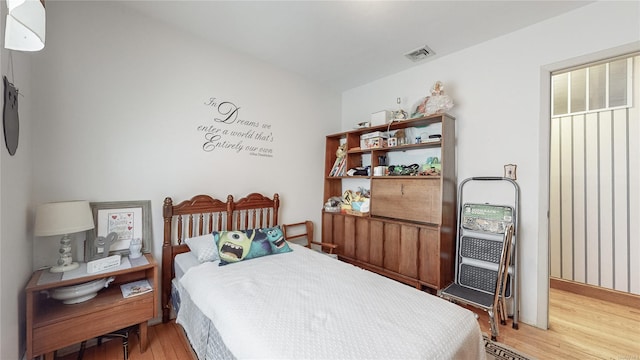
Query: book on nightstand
[135, 288]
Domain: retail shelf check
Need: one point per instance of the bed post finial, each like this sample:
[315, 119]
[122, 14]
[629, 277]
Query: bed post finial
[230, 208]
[167, 258]
[276, 208]
[167, 213]
[167, 206]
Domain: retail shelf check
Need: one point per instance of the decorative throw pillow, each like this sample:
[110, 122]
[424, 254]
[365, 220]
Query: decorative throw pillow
[203, 247]
[238, 245]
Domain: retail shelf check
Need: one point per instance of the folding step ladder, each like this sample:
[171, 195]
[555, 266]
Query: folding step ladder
[486, 253]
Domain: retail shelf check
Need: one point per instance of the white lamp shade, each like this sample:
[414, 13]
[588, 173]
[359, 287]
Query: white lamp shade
[25, 26]
[59, 218]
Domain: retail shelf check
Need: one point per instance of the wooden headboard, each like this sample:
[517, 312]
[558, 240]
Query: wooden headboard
[203, 214]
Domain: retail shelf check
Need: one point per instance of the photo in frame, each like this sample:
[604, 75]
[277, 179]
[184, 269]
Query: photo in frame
[128, 219]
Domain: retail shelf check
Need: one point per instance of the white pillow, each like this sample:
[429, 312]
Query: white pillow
[203, 247]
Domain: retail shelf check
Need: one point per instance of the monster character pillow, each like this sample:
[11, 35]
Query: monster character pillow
[239, 245]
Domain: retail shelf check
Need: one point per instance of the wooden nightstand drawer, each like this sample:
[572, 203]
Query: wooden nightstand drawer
[93, 324]
[52, 325]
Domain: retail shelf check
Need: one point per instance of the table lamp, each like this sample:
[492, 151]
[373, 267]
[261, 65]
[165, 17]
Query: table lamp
[63, 218]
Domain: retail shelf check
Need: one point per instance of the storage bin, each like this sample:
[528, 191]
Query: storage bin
[381, 117]
[376, 139]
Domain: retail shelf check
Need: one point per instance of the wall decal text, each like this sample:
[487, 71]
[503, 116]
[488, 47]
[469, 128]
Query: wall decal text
[229, 132]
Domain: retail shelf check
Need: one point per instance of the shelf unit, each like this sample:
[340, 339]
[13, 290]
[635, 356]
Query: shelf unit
[409, 234]
[52, 325]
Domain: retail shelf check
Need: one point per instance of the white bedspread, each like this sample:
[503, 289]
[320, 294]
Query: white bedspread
[305, 305]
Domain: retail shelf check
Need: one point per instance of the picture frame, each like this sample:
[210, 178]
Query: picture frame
[128, 219]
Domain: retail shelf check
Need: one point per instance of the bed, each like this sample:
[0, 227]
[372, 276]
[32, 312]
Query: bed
[294, 304]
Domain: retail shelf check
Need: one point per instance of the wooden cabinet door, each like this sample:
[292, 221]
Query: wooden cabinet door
[327, 227]
[429, 257]
[362, 239]
[333, 231]
[392, 247]
[407, 199]
[408, 255]
[401, 249]
[376, 243]
[349, 235]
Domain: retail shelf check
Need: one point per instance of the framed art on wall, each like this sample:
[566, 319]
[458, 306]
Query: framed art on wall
[120, 222]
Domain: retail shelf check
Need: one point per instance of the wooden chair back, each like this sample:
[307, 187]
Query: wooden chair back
[305, 230]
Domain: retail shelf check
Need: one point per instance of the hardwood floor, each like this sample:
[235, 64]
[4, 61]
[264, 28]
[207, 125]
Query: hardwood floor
[166, 342]
[581, 328]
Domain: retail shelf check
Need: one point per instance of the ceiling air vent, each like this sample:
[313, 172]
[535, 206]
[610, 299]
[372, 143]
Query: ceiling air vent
[420, 53]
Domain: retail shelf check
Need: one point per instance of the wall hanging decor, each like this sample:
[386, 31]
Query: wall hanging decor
[10, 121]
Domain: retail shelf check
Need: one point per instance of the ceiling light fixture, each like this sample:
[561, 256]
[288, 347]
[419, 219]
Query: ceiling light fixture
[25, 25]
[420, 54]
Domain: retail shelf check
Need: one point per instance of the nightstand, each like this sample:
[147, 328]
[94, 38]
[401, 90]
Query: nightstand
[52, 325]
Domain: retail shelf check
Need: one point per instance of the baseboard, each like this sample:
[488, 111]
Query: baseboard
[595, 292]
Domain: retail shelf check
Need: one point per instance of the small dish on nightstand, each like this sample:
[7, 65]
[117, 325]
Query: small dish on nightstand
[81, 292]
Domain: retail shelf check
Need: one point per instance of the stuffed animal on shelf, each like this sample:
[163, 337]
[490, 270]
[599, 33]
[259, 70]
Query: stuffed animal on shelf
[342, 151]
[339, 165]
[356, 200]
[438, 102]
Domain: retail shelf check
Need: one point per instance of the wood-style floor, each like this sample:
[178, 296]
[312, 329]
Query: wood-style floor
[580, 328]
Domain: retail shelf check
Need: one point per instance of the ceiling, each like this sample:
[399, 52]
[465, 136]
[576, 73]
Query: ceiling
[344, 44]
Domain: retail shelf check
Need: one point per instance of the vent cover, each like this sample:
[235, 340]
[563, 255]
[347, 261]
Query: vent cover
[420, 53]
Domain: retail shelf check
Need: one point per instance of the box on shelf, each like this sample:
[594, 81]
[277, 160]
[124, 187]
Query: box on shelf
[381, 117]
[373, 140]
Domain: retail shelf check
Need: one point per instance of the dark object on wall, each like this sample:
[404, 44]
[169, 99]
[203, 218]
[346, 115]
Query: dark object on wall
[10, 116]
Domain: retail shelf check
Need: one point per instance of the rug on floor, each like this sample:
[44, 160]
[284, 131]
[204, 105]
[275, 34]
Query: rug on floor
[499, 351]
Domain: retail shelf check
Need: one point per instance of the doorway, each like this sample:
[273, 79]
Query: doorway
[594, 235]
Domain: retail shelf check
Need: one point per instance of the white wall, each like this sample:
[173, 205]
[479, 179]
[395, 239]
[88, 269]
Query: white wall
[113, 102]
[15, 210]
[500, 90]
[120, 99]
[123, 97]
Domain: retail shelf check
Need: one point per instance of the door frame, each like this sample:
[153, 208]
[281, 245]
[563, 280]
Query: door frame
[542, 317]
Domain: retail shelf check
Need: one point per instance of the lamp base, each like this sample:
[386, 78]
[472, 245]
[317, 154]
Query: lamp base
[63, 268]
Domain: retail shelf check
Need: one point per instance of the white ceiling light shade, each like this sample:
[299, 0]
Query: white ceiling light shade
[25, 29]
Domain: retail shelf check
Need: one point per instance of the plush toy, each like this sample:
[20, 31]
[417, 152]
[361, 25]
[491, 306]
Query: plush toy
[401, 136]
[333, 204]
[340, 163]
[438, 102]
[342, 151]
[355, 200]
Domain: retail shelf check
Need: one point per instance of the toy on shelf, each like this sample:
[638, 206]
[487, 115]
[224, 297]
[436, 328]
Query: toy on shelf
[431, 167]
[438, 102]
[404, 170]
[400, 114]
[435, 103]
[333, 204]
[340, 164]
[356, 202]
